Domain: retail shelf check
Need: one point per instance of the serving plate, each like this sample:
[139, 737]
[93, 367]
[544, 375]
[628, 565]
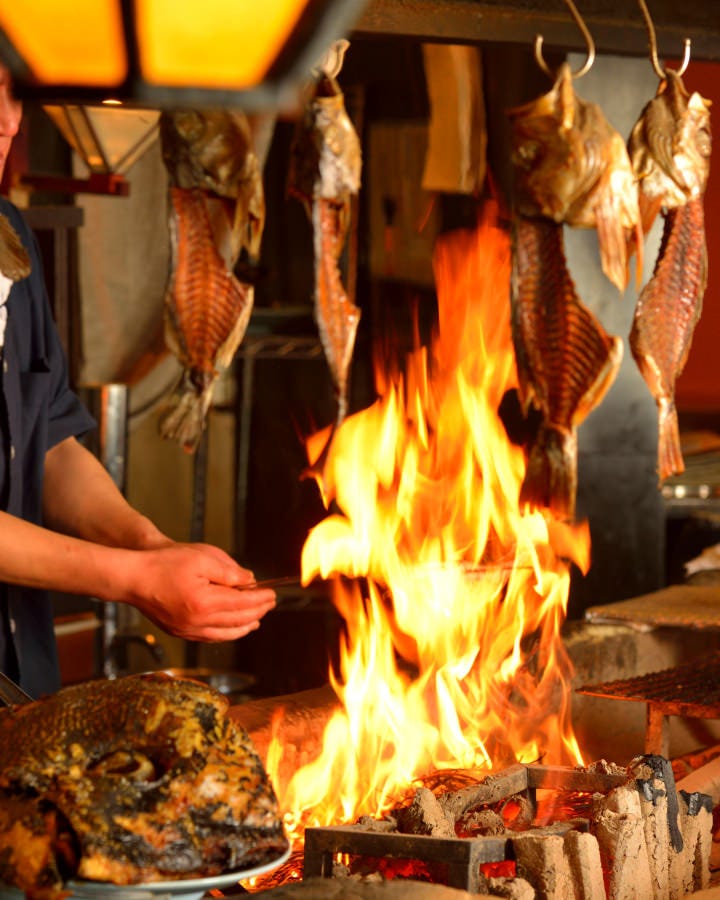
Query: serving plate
[187, 888]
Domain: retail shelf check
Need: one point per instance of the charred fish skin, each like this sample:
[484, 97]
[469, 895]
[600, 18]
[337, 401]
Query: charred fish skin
[566, 361]
[667, 312]
[216, 214]
[572, 167]
[148, 779]
[670, 148]
[325, 172]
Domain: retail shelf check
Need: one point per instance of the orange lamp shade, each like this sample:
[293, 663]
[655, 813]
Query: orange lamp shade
[62, 43]
[212, 44]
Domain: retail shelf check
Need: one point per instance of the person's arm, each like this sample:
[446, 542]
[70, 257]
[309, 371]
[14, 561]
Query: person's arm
[97, 544]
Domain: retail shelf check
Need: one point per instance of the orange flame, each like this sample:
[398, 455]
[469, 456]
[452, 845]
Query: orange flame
[453, 655]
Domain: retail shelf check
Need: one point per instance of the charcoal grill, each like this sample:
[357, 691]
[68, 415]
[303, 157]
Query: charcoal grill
[462, 856]
[691, 690]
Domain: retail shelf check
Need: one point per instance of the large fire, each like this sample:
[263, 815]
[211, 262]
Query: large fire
[453, 596]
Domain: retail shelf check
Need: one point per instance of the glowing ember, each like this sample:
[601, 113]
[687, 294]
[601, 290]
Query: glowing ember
[453, 657]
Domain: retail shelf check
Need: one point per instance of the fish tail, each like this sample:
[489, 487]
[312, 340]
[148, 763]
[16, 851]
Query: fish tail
[183, 419]
[551, 477]
[670, 458]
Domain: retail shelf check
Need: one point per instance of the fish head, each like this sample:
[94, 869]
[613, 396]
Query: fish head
[670, 144]
[556, 149]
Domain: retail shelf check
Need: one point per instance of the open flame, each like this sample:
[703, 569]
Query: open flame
[453, 596]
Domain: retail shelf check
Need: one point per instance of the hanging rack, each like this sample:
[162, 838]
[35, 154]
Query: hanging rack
[588, 40]
[652, 40]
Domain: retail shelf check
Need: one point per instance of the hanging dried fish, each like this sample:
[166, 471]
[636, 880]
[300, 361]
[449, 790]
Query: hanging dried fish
[670, 151]
[570, 168]
[217, 212]
[324, 174]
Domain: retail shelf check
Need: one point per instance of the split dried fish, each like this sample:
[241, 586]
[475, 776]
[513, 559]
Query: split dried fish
[572, 166]
[14, 259]
[670, 149]
[325, 172]
[566, 361]
[143, 778]
[217, 213]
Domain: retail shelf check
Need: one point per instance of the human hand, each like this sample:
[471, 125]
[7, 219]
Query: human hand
[191, 591]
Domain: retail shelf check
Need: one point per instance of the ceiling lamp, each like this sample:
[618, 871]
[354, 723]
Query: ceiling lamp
[165, 53]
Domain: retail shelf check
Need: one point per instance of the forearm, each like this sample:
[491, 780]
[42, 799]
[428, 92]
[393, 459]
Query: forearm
[80, 499]
[39, 558]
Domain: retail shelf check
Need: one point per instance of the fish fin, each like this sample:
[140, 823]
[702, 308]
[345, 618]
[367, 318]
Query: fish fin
[227, 349]
[612, 238]
[183, 419]
[670, 458]
[551, 477]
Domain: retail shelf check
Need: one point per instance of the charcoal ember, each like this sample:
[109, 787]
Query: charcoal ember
[424, 816]
[518, 812]
[480, 822]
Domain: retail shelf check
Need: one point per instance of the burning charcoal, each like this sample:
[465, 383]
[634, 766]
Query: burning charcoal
[518, 812]
[541, 861]
[510, 888]
[480, 822]
[690, 869]
[424, 816]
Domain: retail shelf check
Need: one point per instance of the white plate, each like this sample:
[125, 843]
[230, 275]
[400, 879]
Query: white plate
[187, 888]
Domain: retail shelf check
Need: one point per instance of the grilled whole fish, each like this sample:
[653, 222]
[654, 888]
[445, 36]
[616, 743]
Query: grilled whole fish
[143, 778]
[216, 213]
[571, 166]
[670, 150]
[566, 361]
[324, 174]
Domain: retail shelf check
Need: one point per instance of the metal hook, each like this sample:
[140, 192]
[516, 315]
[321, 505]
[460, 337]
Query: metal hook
[588, 40]
[652, 39]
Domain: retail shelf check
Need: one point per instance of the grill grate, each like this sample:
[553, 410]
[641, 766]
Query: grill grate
[691, 690]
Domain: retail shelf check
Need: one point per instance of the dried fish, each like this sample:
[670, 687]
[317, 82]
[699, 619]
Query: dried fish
[14, 258]
[217, 212]
[566, 361]
[572, 166]
[670, 150]
[325, 174]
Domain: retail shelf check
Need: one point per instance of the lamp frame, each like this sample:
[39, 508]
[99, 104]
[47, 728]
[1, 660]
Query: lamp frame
[319, 25]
